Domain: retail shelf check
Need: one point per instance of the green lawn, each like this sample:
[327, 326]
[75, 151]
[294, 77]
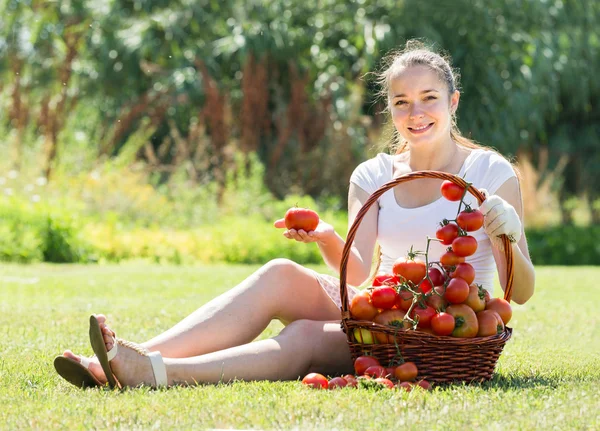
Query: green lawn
[548, 376]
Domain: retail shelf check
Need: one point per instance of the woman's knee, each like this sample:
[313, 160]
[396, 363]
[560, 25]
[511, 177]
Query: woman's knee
[303, 329]
[282, 267]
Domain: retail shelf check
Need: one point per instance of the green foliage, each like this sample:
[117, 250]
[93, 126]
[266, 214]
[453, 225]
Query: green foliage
[565, 245]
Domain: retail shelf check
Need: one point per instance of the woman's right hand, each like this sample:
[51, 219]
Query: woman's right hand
[321, 234]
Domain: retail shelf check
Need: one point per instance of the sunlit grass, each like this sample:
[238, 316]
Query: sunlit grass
[547, 378]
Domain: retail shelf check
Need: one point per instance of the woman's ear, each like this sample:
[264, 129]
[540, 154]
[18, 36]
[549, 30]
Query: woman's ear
[454, 101]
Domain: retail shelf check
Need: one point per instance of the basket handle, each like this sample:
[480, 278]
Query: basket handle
[381, 190]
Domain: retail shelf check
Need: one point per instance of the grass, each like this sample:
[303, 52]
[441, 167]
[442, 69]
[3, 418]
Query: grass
[548, 374]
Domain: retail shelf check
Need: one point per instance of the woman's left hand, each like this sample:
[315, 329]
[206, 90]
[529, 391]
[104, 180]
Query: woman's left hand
[322, 233]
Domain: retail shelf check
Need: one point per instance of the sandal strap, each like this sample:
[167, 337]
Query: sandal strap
[158, 368]
[113, 352]
[85, 362]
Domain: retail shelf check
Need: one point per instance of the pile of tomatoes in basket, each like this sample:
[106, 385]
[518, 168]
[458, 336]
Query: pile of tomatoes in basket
[439, 298]
[371, 374]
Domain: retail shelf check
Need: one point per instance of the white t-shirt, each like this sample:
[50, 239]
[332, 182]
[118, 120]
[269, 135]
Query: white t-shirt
[400, 228]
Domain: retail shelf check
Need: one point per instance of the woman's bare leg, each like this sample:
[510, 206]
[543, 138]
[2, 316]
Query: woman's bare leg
[303, 346]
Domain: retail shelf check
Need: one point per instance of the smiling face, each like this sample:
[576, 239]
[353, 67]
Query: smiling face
[421, 106]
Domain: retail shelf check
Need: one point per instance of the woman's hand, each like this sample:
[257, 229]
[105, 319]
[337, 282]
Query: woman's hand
[321, 234]
[500, 217]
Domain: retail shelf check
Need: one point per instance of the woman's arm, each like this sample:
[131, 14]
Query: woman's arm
[524, 274]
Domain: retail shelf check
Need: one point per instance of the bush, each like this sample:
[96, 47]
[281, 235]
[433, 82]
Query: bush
[565, 245]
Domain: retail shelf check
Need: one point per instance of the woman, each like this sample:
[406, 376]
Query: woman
[214, 343]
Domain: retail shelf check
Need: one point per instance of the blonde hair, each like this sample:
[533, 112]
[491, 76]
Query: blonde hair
[417, 53]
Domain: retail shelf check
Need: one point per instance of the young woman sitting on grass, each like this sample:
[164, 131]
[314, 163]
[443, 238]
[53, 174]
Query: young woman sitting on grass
[215, 343]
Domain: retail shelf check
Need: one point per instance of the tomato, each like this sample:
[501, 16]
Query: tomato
[424, 315]
[391, 318]
[502, 307]
[361, 306]
[465, 271]
[436, 276]
[316, 380]
[447, 233]
[363, 362]
[301, 218]
[385, 382]
[337, 383]
[464, 246]
[351, 379]
[490, 323]
[424, 286]
[457, 291]
[363, 336]
[470, 220]
[466, 325]
[389, 372]
[442, 323]
[407, 386]
[424, 384]
[406, 372]
[451, 191]
[384, 297]
[375, 371]
[436, 299]
[405, 299]
[412, 270]
[451, 259]
[385, 280]
[476, 298]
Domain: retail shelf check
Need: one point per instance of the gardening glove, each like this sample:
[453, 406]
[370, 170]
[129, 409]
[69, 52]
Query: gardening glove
[499, 217]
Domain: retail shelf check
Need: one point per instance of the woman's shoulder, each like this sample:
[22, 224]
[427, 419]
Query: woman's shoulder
[373, 172]
[488, 168]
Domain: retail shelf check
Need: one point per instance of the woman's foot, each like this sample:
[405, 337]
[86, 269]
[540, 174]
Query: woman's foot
[130, 366]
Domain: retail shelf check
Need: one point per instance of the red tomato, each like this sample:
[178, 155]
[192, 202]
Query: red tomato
[464, 245]
[457, 291]
[424, 384]
[424, 314]
[385, 382]
[389, 372]
[424, 286]
[476, 298]
[361, 306]
[470, 220]
[316, 380]
[466, 325]
[465, 271]
[351, 379]
[442, 323]
[406, 372]
[390, 318]
[502, 307]
[413, 270]
[385, 280]
[436, 300]
[375, 371]
[384, 297]
[301, 218]
[447, 233]
[436, 276]
[451, 191]
[490, 323]
[407, 386]
[363, 362]
[451, 259]
[337, 383]
[405, 298]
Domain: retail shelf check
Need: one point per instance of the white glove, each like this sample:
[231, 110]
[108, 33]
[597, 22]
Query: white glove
[499, 217]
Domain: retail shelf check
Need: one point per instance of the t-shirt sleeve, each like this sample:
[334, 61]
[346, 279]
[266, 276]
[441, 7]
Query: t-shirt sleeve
[498, 171]
[369, 174]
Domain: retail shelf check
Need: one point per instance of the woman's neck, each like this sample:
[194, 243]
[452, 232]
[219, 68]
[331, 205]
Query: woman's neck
[434, 158]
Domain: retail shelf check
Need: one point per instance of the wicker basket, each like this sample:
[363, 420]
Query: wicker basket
[440, 359]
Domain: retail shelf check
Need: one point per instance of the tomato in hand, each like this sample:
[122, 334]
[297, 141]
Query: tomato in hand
[361, 306]
[442, 324]
[451, 191]
[406, 372]
[384, 297]
[502, 307]
[316, 381]
[465, 271]
[301, 218]
[476, 298]
[464, 245]
[457, 291]
[385, 280]
[363, 362]
[470, 220]
[465, 321]
[451, 259]
[412, 270]
[446, 234]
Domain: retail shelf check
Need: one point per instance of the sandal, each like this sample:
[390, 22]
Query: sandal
[97, 341]
[76, 373]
